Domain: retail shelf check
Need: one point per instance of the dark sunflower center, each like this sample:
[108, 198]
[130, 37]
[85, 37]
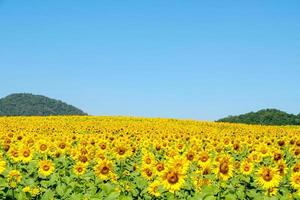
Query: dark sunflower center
[204, 158]
[172, 177]
[148, 161]
[267, 175]
[149, 173]
[190, 156]
[46, 167]
[43, 147]
[160, 167]
[224, 168]
[121, 151]
[277, 156]
[83, 159]
[206, 171]
[26, 153]
[103, 146]
[246, 168]
[105, 170]
[62, 145]
[15, 154]
[79, 169]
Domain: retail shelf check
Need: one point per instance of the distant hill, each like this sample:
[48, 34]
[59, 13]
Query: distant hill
[24, 104]
[264, 117]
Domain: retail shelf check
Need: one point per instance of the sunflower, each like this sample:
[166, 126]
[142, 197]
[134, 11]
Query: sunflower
[153, 188]
[199, 182]
[204, 159]
[147, 173]
[122, 151]
[173, 179]
[246, 167]
[2, 166]
[42, 146]
[79, 168]
[34, 192]
[46, 167]
[282, 168]
[296, 167]
[272, 191]
[190, 155]
[268, 177]
[205, 170]
[26, 189]
[180, 163]
[148, 159]
[103, 169]
[295, 180]
[14, 154]
[26, 154]
[159, 168]
[224, 168]
[14, 177]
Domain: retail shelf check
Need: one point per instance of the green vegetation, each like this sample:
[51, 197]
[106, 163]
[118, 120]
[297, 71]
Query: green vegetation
[24, 104]
[265, 117]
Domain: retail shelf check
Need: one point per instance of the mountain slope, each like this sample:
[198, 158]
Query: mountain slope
[24, 104]
[264, 117]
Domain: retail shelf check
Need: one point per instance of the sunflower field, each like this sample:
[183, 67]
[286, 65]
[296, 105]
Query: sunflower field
[146, 158]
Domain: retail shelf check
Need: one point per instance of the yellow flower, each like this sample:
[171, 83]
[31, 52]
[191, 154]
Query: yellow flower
[79, 168]
[153, 188]
[147, 173]
[179, 163]
[14, 177]
[2, 166]
[103, 169]
[272, 191]
[14, 154]
[26, 154]
[34, 191]
[26, 189]
[246, 168]
[46, 167]
[224, 168]
[172, 180]
[295, 180]
[122, 151]
[42, 146]
[268, 178]
[148, 159]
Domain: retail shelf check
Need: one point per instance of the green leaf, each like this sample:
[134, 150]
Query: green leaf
[20, 195]
[230, 197]
[60, 189]
[107, 188]
[3, 182]
[48, 195]
[113, 196]
[210, 198]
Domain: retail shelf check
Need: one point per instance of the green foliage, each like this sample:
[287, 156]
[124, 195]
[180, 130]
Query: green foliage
[265, 117]
[24, 104]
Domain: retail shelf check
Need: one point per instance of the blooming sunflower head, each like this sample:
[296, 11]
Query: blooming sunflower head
[295, 180]
[173, 179]
[104, 169]
[46, 167]
[153, 188]
[268, 177]
[246, 167]
[14, 177]
[79, 168]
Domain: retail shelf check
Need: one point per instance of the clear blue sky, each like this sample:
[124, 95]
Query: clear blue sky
[180, 59]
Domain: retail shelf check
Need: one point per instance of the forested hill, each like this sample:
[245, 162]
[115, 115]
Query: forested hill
[264, 117]
[24, 104]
